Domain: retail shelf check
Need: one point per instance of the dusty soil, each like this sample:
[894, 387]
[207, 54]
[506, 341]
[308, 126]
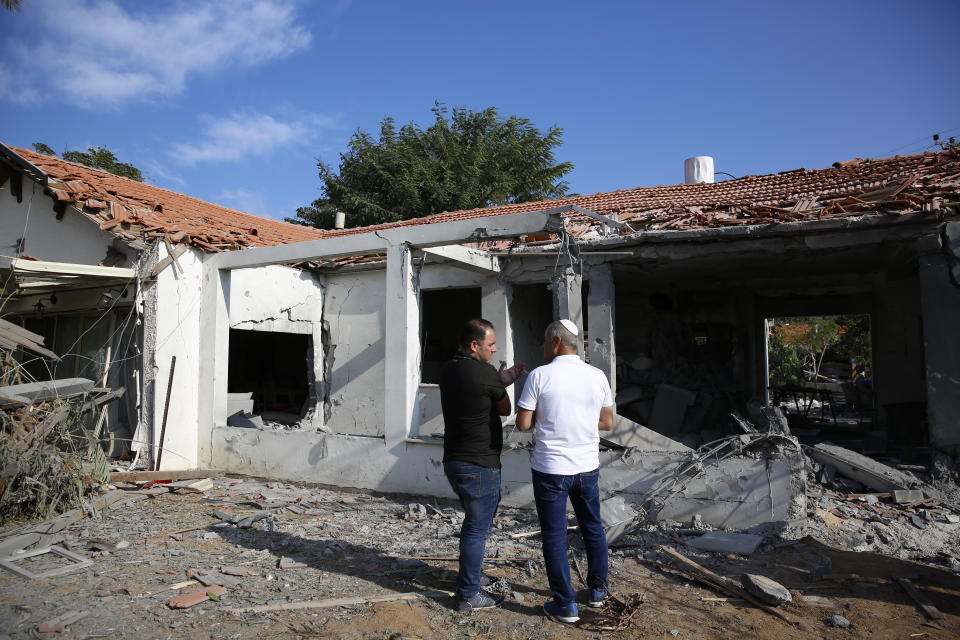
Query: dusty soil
[353, 544]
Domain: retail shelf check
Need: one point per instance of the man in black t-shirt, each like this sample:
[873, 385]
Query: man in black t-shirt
[473, 397]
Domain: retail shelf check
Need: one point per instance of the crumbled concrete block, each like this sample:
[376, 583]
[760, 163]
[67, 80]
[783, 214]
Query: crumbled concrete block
[859, 467]
[838, 621]
[290, 563]
[903, 496]
[765, 589]
[246, 421]
[190, 599]
[726, 542]
[618, 518]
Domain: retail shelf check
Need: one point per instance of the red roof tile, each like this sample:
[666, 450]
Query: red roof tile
[130, 208]
[901, 184]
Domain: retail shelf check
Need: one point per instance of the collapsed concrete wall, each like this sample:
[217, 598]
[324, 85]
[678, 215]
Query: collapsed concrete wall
[736, 493]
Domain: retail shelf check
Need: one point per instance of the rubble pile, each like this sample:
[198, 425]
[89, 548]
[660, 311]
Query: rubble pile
[252, 558]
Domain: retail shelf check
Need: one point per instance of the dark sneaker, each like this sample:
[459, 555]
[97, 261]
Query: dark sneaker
[567, 614]
[596, 598]
[482, 600]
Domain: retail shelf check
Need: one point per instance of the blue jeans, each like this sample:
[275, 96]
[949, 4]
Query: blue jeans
[551, 492]
[479, 491]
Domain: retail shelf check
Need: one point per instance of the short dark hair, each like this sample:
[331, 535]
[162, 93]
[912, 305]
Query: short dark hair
[475, 329]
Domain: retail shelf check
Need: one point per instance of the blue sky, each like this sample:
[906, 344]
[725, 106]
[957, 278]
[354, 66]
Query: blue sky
[232, 101]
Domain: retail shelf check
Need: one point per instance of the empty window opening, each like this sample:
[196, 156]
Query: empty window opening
[820, 373]
[276, 368]
[443, 312]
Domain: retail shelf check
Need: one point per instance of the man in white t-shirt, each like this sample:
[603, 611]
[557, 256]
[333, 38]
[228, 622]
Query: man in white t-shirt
[569, 402]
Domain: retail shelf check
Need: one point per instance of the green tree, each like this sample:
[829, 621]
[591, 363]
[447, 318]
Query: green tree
[39, 147]
[12, 5]
[466, 159]
[103, 158]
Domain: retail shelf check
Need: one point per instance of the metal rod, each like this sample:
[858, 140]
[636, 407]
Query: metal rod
[166, 407]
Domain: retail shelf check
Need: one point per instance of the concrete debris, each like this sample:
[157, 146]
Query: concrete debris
[291, 563]
[246, 420]
[765, 590]
[618, 517]
[859, 467]
[838, 621]
[903, 496]
[726, 542]
[106, 544]
[198, 486]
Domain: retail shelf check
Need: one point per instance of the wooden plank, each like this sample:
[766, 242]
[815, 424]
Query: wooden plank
[724, 584]
[165, 262]
[336, 602]
[928, 608]
[184, 474]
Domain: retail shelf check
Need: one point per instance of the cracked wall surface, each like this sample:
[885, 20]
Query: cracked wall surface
[356, 316]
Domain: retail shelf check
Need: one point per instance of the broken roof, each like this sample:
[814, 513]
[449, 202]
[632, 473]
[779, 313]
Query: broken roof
[134, 210]
[902, 184]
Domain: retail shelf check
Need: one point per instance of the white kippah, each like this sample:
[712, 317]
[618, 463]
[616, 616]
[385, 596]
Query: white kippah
[569, 326]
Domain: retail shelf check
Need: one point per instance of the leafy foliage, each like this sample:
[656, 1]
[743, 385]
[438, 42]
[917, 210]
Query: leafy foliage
[466, 159]
[799, 346]
[103, 158]
[96, 157]
[39, 147]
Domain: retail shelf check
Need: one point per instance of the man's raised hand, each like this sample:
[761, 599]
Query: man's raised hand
[509, 375]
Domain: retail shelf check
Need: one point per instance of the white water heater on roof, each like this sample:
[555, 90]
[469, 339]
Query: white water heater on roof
[698, 169]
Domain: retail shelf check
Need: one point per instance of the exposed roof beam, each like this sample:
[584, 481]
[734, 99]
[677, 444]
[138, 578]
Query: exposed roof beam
[606, 220]
[468, 258]
[420, 236]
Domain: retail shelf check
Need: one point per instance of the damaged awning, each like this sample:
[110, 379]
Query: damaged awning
[32, 277]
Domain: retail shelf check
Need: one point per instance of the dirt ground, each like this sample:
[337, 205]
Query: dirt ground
[357, 544]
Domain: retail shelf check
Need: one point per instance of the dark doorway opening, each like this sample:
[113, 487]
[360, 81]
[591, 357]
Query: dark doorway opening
[276, 368]
[442, 313]
[531, 310]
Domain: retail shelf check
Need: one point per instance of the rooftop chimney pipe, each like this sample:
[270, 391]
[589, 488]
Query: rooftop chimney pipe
[698, 169]
[340, 220]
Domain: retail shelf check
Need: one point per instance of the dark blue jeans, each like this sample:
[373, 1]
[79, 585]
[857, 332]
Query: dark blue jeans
[551, 492]
[479, 491]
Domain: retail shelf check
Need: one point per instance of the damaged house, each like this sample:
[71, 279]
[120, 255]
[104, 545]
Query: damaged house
[269, 349]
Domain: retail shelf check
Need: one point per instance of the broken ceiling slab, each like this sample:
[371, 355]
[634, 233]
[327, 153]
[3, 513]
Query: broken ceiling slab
[726, 542]
[631, 434]
[864, 470]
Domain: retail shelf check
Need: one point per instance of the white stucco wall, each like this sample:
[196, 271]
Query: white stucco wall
[354, 310]
[72, 239]
[177, 323]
